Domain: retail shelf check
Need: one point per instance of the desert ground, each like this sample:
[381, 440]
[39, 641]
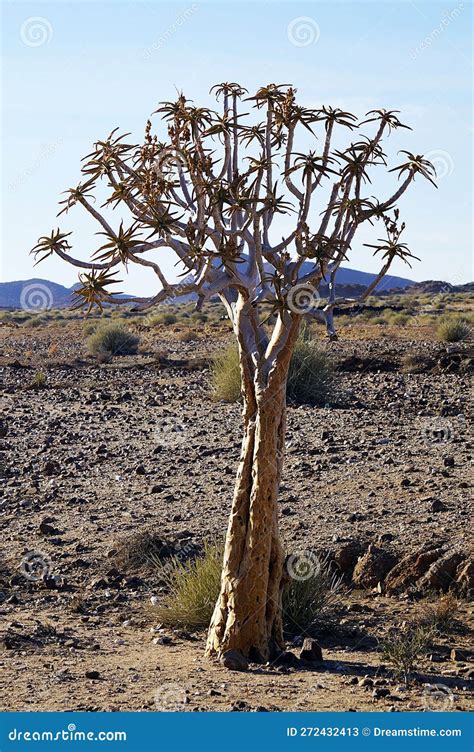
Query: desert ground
[99, 455]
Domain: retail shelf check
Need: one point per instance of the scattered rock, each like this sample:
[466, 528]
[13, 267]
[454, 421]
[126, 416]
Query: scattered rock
[234, 661]
[311, 651]
[372, 567]
[465, 576]
[346, 557]
[47, 529]
[380, 692]
[92, 675]
[410, 568]
[441, 572]
[287, 659]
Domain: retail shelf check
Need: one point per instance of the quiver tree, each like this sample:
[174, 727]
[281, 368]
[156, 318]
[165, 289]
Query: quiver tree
[211, 193]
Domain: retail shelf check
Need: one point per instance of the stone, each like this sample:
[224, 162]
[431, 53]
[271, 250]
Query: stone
[465, 576]
[311, 651]
[47, 529]
[437, 506]
[373, 566]
[380, 692]
[286, 658]
[92, 675]
[346, 556]
[409, 569]
[234, 660]
[441, 573]
[51, 468]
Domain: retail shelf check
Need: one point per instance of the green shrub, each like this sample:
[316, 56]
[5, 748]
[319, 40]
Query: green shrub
[39, 381]
[201, 317]
[404, 648]
[416, 362]
[89, 328]
[226, 375]
[454, 329]
[306, 600]
[193, 589]
[114, 339]
[162, 318]
[400, 319]
[34, 321]
[310, 377]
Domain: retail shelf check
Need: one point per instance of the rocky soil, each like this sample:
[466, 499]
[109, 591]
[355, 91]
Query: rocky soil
[379, 480]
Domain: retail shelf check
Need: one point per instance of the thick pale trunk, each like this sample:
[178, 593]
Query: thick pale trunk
[248, 613]
[247, 616]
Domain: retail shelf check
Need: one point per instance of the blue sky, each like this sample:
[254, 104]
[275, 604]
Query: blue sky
[75, 70]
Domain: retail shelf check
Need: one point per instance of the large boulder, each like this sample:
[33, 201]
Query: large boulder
[346, 557]
[441, 575]
[465, 576]
[373, 566]
[411, 568]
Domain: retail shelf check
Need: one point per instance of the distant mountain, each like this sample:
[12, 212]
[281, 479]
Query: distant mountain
[348, 277]
[37, 294]
[34, 294]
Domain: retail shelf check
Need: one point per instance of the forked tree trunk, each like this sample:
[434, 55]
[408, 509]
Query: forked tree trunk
[248, 613]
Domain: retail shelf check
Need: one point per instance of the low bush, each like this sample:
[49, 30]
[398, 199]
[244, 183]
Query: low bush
[187, 335]
[113, 339]
[400, 319]
[226, 375]
[440, 615]
[416, 362]
[306, 600]
[162, 318]
[193, 589]
[453, 329]
[310, 377]
[39, 381]
[403, 649]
